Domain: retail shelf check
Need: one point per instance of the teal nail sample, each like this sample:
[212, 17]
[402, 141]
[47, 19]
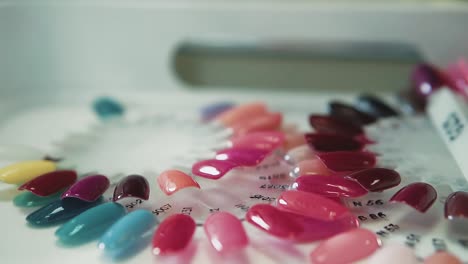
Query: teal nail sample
[90, 224]
[28, 199]
[106, 107]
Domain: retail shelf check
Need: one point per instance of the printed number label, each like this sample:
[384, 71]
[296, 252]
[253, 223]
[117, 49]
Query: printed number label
[453, 126]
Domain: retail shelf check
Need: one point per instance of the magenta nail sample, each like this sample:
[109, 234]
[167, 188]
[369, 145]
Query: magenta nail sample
[323, 142]
[348, 113]
[50, 183]
[212, 168]
[225, 232]
[132, 186]
[243, 156]
[329, 124]
[88, 189]
[329, 186]
[347, 160]
[376, 179]
[418, 195]
[456, 205]
[259, 140]
[273, 221]
[311, 205]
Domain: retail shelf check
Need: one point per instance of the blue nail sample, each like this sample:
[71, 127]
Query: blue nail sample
[210, 111]
[29, 199]
[90, 224]
[106, 107]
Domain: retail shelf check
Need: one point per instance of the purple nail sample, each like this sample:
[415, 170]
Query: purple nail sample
[348, 113]
[329, 186]
[323, 142]
[329, 124]
[212, 169]
[132, 186]
[88, 189]
[376, 179]
[242, 156]
[374, 106]
[418, 195]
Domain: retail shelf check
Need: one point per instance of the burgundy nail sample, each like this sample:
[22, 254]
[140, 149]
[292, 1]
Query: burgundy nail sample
[347, 160]
[173, 234]
[323, 142]
[212, 168]
[348, 113]
[374, 106]
[376, 179]
[132, 186]
[329, 186]
[329, 124]
[50, 183]
[456, 205]
[243, 156]
[225, 232]
[88, 189]
[418, 195]
[259, 140]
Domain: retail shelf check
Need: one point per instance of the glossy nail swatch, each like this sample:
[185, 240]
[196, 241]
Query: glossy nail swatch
[171, 181]
[456, 205]
[442, 257]
[106, 107]
[28, 199]
[347, 160]
[348, 113]
[259, 140]
[212, 169]
[225, 232]
[241, 112]
[25, 171]
[88, 188]
[310, 167]
[50, 183]
[376, 179]
[132, 186]
[242, 156]
[173, 234]
[299, 154]
[266, 122]
[332, 142]
[418, 195]
[293, 140]
[328, 124]
[347, 247]
[425, 79]
[394, 253]
[329, 186]
[213, 110]
[90, 224]
[374, 106]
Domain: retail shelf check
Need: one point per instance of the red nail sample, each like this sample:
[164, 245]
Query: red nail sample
[225, 232]
[348, 113]
[259, 140]
[418, 195]
[88, 189]
[173, 234]
[266, 122]
[243, 156]
[347, 160]
[329, 124]
[329, 186]
[212, 169]
[332, 142]
[50, 183]
[456, 205]
[376, 179]
[132, 186]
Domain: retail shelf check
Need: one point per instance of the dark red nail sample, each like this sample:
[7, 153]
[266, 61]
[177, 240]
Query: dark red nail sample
[348, 113]
[329, 186]
[50, 183]
[376, 179]
[374, 106]
[456, 205]
[347, 160]
[323, 142]
[418, 195]
[132, 186]
[329, 124]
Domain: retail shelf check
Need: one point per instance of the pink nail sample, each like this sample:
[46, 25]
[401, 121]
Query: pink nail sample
[173, 234]
[266, 122]
[50, 183]
[332, 142]
[212, 168]
[347, 160]
[243, 156]
[225, 232]
[311, 205]
[294, 140]
[442, 257]
[242, 112]
[88, 189]
[329, 186]
[310, 167]
[329, 124]
[171, 181]
[418, 195]
[300, 153]
[376, 179]
[347, 247]
[132, 186]
[394, 253]
[259, 140]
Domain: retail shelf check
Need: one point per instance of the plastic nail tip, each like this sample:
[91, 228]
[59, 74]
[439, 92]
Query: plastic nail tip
[171, 181]
[329, 186]
[458, 73]
[25, 171]
[311, 205]
[241, 112]
[294, 140]
[347, 247]
[347, 160]
[348, 113]
[50, 183]
[90, 224]
[332, 142]
[442, 257]
[374, 106]
[243, 156]
[213, 110]
[394, 253]
[456, 205]
[225, 232]
[299, 154]
[328, 124]
[266, 122]
[132, 186]
[310, 167]
[88, 188]
[128, 231]
[259, 140]
[212, 169]
[19, 152]
[106, 107]
[173, 234]
[418, 195]
[27, 199]
[376, 179]
[59, 211]
[274, 221]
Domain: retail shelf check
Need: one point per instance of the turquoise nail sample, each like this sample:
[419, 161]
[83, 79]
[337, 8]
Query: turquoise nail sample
[28, 199]
[106, 107]
[127, 232]
[59, 211]
[90, 224]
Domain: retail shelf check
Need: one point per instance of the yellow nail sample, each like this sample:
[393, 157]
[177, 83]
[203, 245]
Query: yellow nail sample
[25, 171]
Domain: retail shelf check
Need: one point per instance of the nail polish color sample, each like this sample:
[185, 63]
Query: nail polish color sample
[310, 167]
[25, 171]
[127, 231]
[212, 169]
[28, 199]
[329, 124]
[458, 73]
[213, 110]
[259, 140]
[225, 232]
[376, 179]
[456, 205]
[394, 253]
[374, 106]
[299, 154]
[90, 224]
[243, 156]
[322, 142]
[50, 183]
[173, 234]
[273, 221]
[265, 122]
[58, 211]
[106, 107]
[348, 113]
[442, 257]
[347, 247]
[132, 186]
[329, 186]
[425, 79]
[88, 188]
[347, 160]
[241, 112]
[171, 181]
[294, 140]
[418, 195]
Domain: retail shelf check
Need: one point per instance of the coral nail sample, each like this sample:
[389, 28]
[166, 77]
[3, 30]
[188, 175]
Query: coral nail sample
[173, 234]
[243, 156]
[266, 122]
[293, 140]
[171, 181]
[310, 167]
[269, 140]
[273, 221]
[212, 169]
[241, 112]
[328, 124]
[88, 188]
[374, 106]
[329, 186]
[332, 142]
[442, 257]
[50, 183]
[25, 171]
[456, 205]
[225, 232]
[376, 179]
[394, 253]
[347, 160]
[418, 195]
[348, 113]
[132, 186]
